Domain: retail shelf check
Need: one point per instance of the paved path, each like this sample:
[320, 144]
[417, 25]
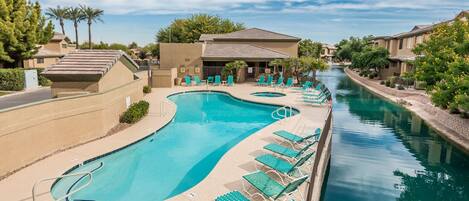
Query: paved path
[22, 98]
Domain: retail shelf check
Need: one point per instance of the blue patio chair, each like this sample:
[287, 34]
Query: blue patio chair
[270, 80]
[217, 80]
[289, 82]
[187, 79]
[279, 82]
[232, 196]
[210, 79]
[197, 80]
[230, 81]
[270, 188]
[261, 80]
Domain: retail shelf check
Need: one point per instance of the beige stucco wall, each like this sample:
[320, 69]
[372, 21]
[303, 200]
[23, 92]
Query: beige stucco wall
[182, 55]
[163, 77]
[42, 128]
[32, 63]
[60, 89]
[117, 76]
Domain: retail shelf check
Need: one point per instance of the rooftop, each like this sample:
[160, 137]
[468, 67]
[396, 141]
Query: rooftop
[249, 34]
[86, 65]
[238, 51]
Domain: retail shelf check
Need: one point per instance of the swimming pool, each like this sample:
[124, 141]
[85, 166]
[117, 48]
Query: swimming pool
[178, 156]
[268, 94]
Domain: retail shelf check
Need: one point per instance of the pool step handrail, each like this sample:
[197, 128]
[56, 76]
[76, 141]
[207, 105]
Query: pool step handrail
[88, 174]
[287, 112]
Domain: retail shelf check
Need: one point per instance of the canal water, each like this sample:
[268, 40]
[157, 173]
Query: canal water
[383, 152]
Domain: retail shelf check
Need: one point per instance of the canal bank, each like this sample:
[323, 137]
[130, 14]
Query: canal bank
[381, 151]
[450, 126]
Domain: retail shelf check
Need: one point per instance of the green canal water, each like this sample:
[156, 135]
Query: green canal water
[383, 152]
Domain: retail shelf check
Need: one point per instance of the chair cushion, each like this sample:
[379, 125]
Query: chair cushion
[265, 184]
[232, 196]
[284, 151]
[275, 163]
[289, 136]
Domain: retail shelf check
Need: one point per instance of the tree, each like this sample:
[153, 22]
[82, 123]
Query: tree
[59, 14]
[346, 48]
[76, 15]
[234, 67]
[276, 63]
[153, 49]
[91, 15]
[312, 64]
[371, 58]
[189, 30]
[309, 48]
[22, 27]
[133, 45]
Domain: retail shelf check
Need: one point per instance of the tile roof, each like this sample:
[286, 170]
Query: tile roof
[58, 37]
[249, 34]
[239, 51]
[47, 53]
[86, 65]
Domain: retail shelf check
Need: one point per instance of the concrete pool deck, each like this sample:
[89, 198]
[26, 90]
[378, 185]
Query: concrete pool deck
[225, 177]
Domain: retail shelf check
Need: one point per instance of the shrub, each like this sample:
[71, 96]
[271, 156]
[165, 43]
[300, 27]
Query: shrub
[371, 76]
[11, 79]
[382, 82]
[453, 108]
[387, 83]
[135, 112]
[146, 89]
[43, 81]
[400, 87]
[420, 85]
[393, 79]
[392, 85]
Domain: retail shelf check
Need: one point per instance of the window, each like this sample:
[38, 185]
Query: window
[40, 60]
[410, 43]
[401, 41]
[64, 45]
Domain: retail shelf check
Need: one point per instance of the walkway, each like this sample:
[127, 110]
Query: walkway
[21, 98]
[451, 126]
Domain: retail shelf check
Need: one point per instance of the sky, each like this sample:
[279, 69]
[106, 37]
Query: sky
[326, 21]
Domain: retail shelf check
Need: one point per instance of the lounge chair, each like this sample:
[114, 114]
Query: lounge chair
[232, 196]
[188, 81]
[270, 188]
[197, 80]
[318, 95]
[210, 79]
[296, 139]
[270, 80]
[288, 152]
[289, 82]
[261, 81]
[279, 82]
[230, 81]
[305, 87]
[319, 101]
[282, 166]
[217, 80]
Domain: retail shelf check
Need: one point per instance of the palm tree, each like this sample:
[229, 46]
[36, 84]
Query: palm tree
[76, 15]
[58, 14]
[276, 63]
[91, 15]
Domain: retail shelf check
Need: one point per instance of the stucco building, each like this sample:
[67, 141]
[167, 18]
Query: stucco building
[208, 56]
[328, 51]
[50, 53]
[90, 71]
[400, 46]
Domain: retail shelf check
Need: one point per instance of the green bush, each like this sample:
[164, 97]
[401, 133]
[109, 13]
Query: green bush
[393, 79]
[11, 79]
[135, 112]
[382, 82]
[147, 89]
[400, 87]
[371, 75]
[387, 83]
[392, 85]
[420, 85]
[453, 108]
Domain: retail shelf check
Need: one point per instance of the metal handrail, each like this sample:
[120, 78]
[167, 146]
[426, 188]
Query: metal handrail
[287, 112]
[87, 173]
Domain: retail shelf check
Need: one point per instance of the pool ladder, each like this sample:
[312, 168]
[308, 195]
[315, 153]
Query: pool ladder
[88, 174]
[282, 113]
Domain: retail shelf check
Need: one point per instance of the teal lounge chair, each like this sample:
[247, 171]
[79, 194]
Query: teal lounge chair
[261, 80]
[217, 80]
[232, 196]
[270, 80]
[318, 101]
[296, 139]
[282, 166]
[289, 82]
[210, 79]
[279, 82]
[197, 80]
[316, 96]
[187, 79]
[305, 86]
[270, 188]
[230, 81]
[288, 152]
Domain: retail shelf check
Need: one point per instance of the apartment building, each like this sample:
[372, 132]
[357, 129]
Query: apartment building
[50, 53]
[400, 46]
[328, 51]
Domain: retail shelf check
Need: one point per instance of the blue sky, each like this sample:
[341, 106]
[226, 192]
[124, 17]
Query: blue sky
[326, 21]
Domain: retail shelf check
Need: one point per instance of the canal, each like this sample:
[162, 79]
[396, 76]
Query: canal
[381, 151]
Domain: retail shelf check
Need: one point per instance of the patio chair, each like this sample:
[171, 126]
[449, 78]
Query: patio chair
[318, 101]
[197, 80]
[305, 86]
[217, 80]
[232, 196]
[282, 166]
[270, 80]
[261, 80]
[286, 151]
[230, 81]
[187, 79]
[279, 82]
[296, 139]
[270, 188]
[317, 95]
[210, 79]
[289, 82]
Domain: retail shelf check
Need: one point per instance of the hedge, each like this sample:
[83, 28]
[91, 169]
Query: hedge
[11, 79]
[147, 89]
[135, 112]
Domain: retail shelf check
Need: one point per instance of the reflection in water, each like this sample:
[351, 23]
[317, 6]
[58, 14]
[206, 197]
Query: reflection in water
[383, 152]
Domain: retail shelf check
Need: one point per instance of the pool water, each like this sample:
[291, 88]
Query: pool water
[381, 151]
[177, 157]
[268, 94]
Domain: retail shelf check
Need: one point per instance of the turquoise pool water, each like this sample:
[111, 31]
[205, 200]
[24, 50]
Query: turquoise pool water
[380, 151]
[177, 157]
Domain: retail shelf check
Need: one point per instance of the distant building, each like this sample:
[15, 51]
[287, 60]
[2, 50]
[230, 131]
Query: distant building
[209, 56]
[328, 51]
[50, 53]
[400, 47]
[90, 71]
